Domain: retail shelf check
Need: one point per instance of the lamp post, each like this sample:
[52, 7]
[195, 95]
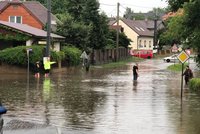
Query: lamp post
[48, 29]
[28, 53]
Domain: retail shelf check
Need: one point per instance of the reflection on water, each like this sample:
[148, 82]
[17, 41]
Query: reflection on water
[104, 101]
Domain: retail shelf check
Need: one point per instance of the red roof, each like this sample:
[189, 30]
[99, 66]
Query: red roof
[35, 8]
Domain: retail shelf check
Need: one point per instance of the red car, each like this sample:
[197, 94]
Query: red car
[146, 54]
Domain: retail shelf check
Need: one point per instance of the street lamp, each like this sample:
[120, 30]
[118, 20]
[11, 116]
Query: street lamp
[28, 53]
[48, 29]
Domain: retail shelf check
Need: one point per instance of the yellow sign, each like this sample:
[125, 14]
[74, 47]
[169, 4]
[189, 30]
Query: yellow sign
[183, 56]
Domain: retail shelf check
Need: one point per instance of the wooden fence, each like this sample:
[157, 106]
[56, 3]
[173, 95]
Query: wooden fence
[108, 55]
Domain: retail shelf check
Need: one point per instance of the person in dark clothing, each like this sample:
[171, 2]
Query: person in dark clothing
[135, 72]
[188, 74]
[37, 69]
[87, 65]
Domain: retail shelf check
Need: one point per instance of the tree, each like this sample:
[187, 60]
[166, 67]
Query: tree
[98, 22]
[57, 6]
[76, 33]
[191, 26]
[176, 4]
[124, 41]
[174, 32]
[75, 8]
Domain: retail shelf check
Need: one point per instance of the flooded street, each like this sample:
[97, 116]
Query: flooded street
[102, 101]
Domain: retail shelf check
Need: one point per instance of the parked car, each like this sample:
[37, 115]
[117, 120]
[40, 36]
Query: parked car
[172, 58]
[146, 54]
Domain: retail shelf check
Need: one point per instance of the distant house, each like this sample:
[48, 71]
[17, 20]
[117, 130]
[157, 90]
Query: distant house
[14, 34]
[31, 13]
[141, 32]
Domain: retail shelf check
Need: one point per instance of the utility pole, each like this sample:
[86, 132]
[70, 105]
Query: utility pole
[48, 29]
[117, 41]
[155, 31]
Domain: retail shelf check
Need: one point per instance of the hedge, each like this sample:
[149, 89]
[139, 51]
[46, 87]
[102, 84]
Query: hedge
[194, 84]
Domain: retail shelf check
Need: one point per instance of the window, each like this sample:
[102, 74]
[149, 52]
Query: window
[15, 19]
[145, 43]
[140, 43]
[149, 44]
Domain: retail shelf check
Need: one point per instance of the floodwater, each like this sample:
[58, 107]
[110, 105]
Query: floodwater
[101, 101]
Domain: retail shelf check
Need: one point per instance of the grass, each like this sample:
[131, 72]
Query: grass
[194, 84]
[176, 67]
[122, 62]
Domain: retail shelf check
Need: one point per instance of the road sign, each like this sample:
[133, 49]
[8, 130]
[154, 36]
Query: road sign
[174, 48]
[183, 57]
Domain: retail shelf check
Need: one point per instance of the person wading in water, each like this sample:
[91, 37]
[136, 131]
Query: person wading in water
[135, 72]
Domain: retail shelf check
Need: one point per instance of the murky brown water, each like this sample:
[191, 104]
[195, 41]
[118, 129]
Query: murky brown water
[102, 101]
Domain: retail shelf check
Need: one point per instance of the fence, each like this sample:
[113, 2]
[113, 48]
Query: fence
[108, 55]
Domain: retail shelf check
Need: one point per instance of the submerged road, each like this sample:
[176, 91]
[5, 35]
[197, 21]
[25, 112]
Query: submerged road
[102, 101]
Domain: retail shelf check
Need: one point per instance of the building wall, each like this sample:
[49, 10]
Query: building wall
[135, 44]
[130, 34]
[148, 45]
[19, 10]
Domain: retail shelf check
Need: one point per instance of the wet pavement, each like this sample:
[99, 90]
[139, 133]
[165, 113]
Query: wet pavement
[102, 101]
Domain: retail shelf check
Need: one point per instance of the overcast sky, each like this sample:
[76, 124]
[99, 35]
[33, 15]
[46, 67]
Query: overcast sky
[110, 6]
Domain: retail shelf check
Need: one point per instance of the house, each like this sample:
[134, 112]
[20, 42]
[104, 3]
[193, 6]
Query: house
[14, 34]
[31, 13]
[141, 32]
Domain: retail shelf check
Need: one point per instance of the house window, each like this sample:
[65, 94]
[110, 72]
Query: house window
[15, 19]
[149, 44]
[140, 43]
[145, 45]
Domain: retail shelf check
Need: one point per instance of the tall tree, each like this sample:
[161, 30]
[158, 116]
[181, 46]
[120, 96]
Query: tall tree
[176, 4]
[191, 24]
[76, 33]
[75, 8]
[91, 16]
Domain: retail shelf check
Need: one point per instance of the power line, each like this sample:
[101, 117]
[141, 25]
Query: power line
[107, 4]
[130, 5]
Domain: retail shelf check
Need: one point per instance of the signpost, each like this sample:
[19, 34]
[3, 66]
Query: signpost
[174, 50]
[183, 57]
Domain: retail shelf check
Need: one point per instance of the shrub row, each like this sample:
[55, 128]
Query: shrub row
[18, 55]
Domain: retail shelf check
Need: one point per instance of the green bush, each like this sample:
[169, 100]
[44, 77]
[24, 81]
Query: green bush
[194, 84]
[18, 55]
[72, 54]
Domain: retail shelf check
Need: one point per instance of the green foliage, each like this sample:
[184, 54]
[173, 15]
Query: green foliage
[194, 84]
[176, 4]
[174, 32]
[75, 8]
[76, 33]
[16, 37]
[57, 56]
[72, 54]
[156, 12]
[18, 55]
[124, 41]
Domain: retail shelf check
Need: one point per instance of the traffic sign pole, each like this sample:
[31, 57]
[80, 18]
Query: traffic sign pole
[183, 57]
[182, 81]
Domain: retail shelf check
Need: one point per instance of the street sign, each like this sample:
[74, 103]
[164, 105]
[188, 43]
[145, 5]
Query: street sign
[174, 48]
[183, 57]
